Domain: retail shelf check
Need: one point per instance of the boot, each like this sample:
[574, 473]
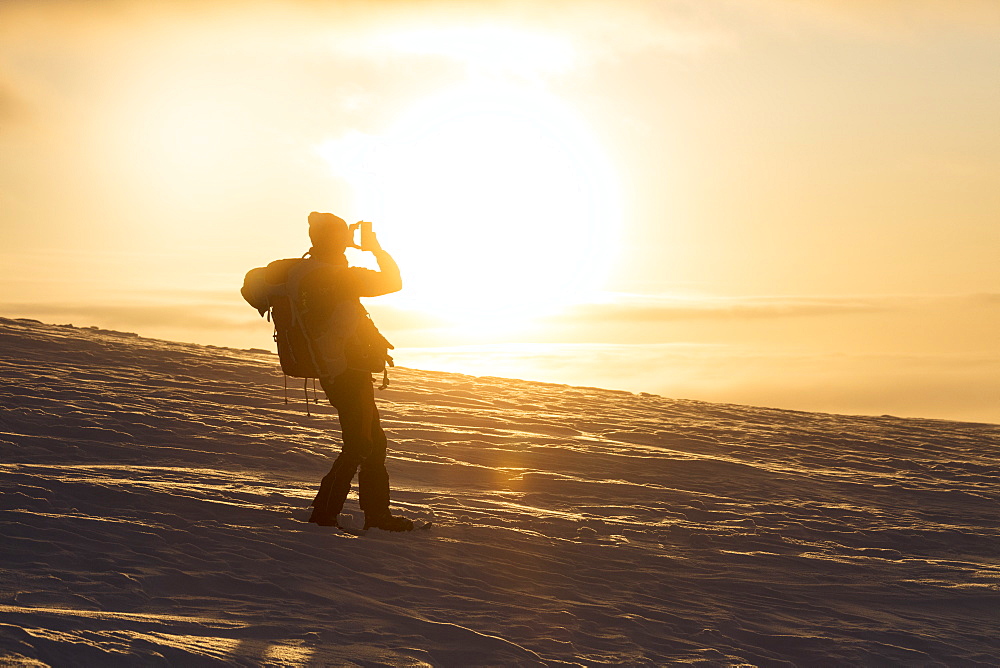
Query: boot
[388, 522]
[323, 519]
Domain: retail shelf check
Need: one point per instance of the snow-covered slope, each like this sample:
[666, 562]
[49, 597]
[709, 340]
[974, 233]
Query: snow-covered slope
[153, 495]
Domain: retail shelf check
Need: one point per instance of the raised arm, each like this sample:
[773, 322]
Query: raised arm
[387, 278]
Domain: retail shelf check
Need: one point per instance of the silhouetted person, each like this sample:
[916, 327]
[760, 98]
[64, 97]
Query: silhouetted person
[324, 332]
[350, 391]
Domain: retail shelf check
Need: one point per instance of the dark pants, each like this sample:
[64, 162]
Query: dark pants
[352, 394]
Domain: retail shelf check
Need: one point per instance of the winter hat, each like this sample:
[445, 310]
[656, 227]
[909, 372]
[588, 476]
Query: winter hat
[326, 229]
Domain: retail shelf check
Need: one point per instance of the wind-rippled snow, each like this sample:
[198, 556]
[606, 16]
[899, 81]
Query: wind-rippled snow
[154, 495]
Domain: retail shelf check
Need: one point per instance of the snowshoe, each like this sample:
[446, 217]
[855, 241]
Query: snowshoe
[389, 522]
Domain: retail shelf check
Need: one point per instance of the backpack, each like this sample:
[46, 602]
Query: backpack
[319, 330]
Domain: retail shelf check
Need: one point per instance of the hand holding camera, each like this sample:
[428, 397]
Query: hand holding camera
[368, 240]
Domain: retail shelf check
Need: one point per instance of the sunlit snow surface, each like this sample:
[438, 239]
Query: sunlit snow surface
[153, 497]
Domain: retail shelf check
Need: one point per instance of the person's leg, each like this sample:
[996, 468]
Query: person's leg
[333, 490]
[373, 480]
[346, 393]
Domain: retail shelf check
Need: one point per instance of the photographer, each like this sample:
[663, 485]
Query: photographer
[350, 389]
[324, 332]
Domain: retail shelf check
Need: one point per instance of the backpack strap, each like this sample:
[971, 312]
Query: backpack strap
[385, 372]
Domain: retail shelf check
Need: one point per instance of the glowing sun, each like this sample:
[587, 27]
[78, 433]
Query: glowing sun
[496, 201]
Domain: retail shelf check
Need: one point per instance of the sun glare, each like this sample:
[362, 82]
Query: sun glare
[495, 199]
[493, 49]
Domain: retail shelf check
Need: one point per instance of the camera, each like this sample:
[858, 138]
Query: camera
[366, 235]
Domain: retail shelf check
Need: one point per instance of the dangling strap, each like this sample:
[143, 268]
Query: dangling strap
[284, 377]
[385, 372]
[305, 389]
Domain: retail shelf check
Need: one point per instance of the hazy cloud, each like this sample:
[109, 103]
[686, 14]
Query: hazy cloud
[11, 105]
[988, 298]
[146, 319]
[372, 29]
[883, 16]
[957, 386]
[647, 310]
[651, 310]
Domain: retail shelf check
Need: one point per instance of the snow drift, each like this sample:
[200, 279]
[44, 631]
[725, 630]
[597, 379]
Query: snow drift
[154, 496]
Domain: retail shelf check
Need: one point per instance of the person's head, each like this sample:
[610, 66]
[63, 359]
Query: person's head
[328, 233]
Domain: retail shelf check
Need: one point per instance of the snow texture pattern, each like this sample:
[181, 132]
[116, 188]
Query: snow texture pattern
[153, 495]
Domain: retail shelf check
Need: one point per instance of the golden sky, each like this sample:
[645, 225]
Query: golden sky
[794, 204]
